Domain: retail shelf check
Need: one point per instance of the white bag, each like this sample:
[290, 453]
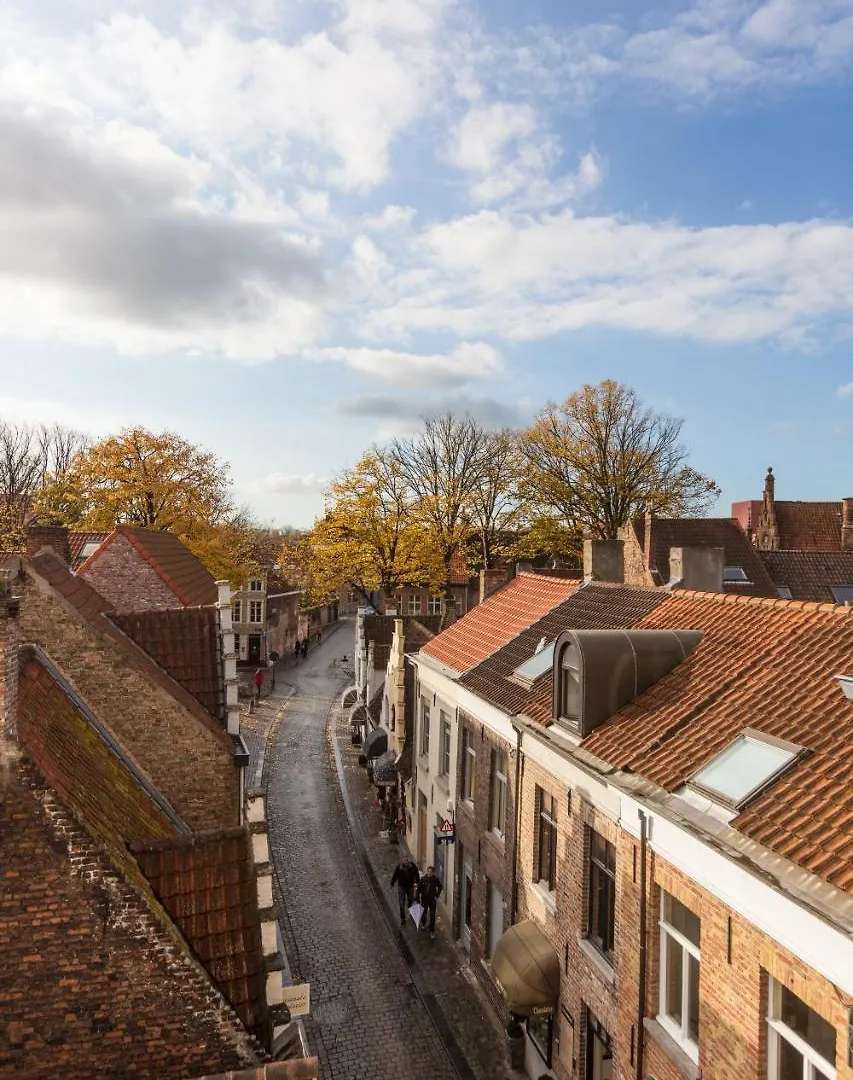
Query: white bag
[416, 911]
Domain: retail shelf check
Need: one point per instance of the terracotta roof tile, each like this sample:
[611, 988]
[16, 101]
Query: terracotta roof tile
[810, 575]
[809, 526]
[78, 540]
[491, 624]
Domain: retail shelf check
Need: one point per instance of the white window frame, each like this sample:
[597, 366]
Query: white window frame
[256, 585]
[497, 823]
[236, 611]
[434, 605]
[425, 720]
[815, 1067]
[469, 766]
[688, 949]
[414, 604]
[443, 743]
[256, 606]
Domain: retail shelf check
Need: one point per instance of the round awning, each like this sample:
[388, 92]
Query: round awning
[376, 743]
[526, 969]
[385, 769]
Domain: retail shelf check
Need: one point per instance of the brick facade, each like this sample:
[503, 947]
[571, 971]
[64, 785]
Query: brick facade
[189, 763]
[8, 665]
[122, 576]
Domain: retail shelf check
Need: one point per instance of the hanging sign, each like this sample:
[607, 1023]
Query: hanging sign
[446, 832]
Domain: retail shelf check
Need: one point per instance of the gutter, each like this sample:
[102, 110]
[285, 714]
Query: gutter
[519, 776]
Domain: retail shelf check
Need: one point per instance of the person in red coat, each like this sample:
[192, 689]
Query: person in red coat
[259, 681]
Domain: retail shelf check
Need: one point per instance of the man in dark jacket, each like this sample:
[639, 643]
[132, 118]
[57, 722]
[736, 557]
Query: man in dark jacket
[405, 877]
[429, 891]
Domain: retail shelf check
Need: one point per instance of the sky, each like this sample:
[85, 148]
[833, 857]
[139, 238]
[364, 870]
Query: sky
[288, 228]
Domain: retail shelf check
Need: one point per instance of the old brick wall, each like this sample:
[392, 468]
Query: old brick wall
[122, 576]
[189, 763]
[91, 984]
[8, 665]
[634, 564]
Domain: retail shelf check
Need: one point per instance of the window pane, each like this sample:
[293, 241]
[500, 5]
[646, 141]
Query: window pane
[681, 918]
[812, 1028]
[693, 998]
[742, 767]
[790, 1062]
[674, 970]
[570, 693]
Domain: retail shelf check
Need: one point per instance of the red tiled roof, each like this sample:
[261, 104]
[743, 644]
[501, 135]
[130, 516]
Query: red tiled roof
[768, 665]
[206, 883]
[501, 616]
[810, 575]
[809, 526]
[78, 540]
[180, 570]
[458, 572]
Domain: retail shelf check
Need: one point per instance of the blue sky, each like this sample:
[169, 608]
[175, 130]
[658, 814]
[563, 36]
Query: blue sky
[286, 229]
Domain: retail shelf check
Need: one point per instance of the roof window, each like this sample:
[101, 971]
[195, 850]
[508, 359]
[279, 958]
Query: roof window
[785, 592]
[744, 768]
[541, 661]
[89, 548]
[735, 575]
[843, 593]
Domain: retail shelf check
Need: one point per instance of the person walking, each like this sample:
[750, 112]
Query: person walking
[297, 649]
[305, 648]
[405, 877]
[259, 682]
[429, 890]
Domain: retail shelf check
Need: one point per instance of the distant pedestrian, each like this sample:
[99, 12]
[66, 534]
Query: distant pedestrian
[297, 649]
[305, 647]
[405, 877]
[259, 681]
[429, 890]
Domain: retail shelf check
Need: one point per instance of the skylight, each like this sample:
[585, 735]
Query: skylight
[785, 592]
[735, 574]
[537, 665]
[744, 768]
[843, 593]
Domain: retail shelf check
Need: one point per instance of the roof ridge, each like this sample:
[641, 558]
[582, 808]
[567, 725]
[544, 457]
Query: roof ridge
[766, 601]
[153, 563]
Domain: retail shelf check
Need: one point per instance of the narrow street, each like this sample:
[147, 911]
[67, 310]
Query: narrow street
[367, 1019]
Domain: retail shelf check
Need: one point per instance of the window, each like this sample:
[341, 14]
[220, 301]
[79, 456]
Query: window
[435, 605]
[735, 575]
[444, 745]
[601, 915]
[541, 1032]
[256, 608]
[801, 1044]
[541, 661]
[570, 687]
[679, 974]
[496, 919]
[744, 768]
[785, 592]
[237, 611]
[599, 1056]
[546, 849]
[843, 593]
[497, 796]
[424, 729]
[237, 644]
[415, 604]
[469, 764]
[256, 585]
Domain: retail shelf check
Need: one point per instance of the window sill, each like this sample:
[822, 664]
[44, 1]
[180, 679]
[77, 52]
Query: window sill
[548, 898]
[443, 781]
[468, 806]
[497, 838]
[423, 763]
[597, 959]
[679, 1057]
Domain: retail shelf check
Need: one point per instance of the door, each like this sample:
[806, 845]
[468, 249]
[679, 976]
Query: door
[440, 858]
[466, 890]
[254, 648]
[599, 1058]
[422, 830]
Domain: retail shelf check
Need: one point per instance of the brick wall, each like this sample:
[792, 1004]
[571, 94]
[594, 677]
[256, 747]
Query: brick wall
[122, 576]
[191, 765]
[634, 559]
[8, 665]
[91, 982]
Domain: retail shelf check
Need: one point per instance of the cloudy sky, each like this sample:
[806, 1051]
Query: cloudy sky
[285, 228]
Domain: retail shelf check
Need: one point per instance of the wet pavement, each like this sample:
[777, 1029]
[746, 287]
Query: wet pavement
[384, 1001]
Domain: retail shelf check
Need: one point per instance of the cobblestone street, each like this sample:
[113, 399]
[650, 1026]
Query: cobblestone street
[380, 997]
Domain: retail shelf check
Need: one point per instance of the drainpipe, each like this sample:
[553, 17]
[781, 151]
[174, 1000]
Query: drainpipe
[519, 774]
[641, 1004]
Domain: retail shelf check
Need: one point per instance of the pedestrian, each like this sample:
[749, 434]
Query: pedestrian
[259, 681]
[297, 649]
[405, 877]
[429, 890]
[305, 647]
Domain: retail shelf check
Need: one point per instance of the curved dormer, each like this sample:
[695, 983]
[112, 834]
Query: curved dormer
[597, 672]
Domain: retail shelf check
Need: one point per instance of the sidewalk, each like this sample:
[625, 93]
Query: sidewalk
[465, 1020]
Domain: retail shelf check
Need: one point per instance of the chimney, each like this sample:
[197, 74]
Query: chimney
[8, 657]
[450, 613]
[604, 560]
[698, 568]
[524, 568]
[229, 658]
[648, 543]
[491, 581]
[51, 536]
[847, 524]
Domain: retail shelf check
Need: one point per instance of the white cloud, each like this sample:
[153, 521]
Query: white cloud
[478, 141]
[468, 361]
[278, 483]
[846, 390]
[391, 217]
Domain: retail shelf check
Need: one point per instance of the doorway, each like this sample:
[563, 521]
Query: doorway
[254, 648]
[439, 860]
[465, 897]
[422, 830]
[599, 1057]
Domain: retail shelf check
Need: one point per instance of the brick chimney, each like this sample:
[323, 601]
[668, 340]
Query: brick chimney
[491, 581]
[51, 536]
[8, 657]
[648, 541]
[698, 568]
[847, 524]
[604, 560]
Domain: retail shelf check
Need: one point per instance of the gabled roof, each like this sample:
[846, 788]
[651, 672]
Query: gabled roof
[593, 606]
[809, 575]
[764, 664]
[500, 617]
[726, 533]
[808, 526]
[177, 567]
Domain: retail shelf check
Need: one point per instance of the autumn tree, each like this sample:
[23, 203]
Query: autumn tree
[152, 481]
[601, 457]
[443, 466]
[233, 549]
[496, 508]
[368, 535]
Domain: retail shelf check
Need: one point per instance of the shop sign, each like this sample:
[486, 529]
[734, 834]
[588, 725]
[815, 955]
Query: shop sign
[297, 998]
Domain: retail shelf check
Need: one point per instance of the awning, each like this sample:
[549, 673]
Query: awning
[526, 969]
[385, 769]
[376, 743]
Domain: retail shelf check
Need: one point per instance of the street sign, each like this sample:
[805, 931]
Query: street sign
[297, 998]
[446, 832]
[446, 826]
